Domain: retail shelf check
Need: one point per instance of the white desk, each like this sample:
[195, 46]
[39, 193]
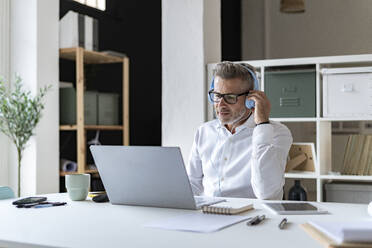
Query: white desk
[89, 224]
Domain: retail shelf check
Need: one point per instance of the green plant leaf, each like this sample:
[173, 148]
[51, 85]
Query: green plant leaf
[20, 112]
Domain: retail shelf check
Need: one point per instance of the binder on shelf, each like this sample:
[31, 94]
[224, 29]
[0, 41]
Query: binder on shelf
[78, 30]
[358, 155]
[88, 33]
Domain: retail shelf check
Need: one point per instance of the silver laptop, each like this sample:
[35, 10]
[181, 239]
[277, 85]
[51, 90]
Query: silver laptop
[146, 176]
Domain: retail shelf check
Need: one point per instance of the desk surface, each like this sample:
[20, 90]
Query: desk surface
[89, 224]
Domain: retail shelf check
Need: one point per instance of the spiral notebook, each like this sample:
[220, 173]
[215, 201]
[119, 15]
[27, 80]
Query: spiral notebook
[227, 207]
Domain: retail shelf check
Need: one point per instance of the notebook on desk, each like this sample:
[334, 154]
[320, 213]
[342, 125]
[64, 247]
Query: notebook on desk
[227, 207]
[341, 234]
[146, 176]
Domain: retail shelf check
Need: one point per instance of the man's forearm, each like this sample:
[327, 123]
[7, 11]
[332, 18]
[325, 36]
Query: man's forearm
[268, 161]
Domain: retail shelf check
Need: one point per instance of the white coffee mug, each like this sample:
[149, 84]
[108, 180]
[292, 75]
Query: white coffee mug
[77, 186]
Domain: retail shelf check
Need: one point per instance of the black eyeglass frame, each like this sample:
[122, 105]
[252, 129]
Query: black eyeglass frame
[223, 96]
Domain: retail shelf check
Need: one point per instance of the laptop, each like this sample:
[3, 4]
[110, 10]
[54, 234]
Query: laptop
[146, 176]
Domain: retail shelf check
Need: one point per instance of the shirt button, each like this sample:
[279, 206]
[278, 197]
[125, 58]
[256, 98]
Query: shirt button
[225, 158]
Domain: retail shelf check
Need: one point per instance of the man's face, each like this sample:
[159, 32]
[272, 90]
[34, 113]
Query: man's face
[230, 113]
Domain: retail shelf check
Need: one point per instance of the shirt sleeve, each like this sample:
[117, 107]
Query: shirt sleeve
[269, 158]
[195, 169]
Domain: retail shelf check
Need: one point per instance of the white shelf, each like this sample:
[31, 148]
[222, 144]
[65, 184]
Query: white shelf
[314, 119]
[323, 125]
[346, 177]
[302, 174]
[346, 119]
[294, 119]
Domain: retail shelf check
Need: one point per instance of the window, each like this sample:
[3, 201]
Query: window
[98, 4]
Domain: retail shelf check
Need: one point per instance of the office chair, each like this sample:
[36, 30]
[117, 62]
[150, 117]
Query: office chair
[6, 193]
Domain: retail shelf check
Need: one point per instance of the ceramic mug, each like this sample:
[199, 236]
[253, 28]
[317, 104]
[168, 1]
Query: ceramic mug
[77, 186]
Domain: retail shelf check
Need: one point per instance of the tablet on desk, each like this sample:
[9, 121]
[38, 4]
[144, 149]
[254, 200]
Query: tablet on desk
[294, 208]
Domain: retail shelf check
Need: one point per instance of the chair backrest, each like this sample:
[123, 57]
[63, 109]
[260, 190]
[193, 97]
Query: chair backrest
[6, 193]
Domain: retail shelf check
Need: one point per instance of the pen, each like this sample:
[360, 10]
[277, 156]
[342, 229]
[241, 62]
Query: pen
[282, 223]
[256, 220]
[52, 204]
[30, 205]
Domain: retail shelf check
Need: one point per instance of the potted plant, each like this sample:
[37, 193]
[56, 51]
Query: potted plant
[19, 114]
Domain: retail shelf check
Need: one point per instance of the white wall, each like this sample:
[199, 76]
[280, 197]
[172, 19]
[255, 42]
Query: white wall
[191, 38]
[4, 72]
[34, 56]
[253, 35]
[332, 27]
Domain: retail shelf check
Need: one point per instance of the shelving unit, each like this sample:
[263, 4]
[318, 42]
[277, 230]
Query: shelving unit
[81, 57]
[322, 126]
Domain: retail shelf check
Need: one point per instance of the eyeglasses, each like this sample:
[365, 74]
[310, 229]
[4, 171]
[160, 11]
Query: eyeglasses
[229, 97]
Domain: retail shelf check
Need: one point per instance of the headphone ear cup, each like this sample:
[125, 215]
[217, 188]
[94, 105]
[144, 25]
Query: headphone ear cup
[211, 88]
[249, 104]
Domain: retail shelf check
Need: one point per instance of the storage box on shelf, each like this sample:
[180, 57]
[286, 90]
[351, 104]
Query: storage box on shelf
[291, 92]
[67, 107]
[108, 112]
[347, 92]
[339, 87]
[348, 192]
[85, 105]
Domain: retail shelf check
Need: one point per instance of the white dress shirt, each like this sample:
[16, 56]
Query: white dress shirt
[249, 163]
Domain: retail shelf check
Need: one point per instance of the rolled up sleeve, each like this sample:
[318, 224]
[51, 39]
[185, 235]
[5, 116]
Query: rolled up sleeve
[194, 168]
[269, 158]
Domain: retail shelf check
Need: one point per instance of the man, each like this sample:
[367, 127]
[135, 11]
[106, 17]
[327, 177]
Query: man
[241, 153]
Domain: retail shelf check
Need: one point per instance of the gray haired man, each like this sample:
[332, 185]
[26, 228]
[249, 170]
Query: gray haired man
[241, 153]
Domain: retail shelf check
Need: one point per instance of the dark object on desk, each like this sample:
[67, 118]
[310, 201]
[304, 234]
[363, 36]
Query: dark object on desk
[29, 200]
[286, 208]
[282, 223]
[256, 220]
[297, 193]
[101, 198]
[41, 204]
[31, 204]
[50, 204]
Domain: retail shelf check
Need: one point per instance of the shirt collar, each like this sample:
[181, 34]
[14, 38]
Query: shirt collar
[249, 123]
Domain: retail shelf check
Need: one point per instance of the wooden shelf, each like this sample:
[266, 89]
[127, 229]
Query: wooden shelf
[91, 171]
[67, 127]
[91, 127]
[90, 57]
[83, 57]
[63, 173]
[102, 127]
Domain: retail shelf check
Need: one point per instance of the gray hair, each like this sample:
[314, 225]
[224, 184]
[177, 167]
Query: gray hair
[230, 70]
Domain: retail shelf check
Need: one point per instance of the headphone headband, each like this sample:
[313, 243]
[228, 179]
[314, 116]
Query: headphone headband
[248, 103]
[251, 72]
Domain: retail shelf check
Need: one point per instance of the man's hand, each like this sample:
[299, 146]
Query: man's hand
[262, 106]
